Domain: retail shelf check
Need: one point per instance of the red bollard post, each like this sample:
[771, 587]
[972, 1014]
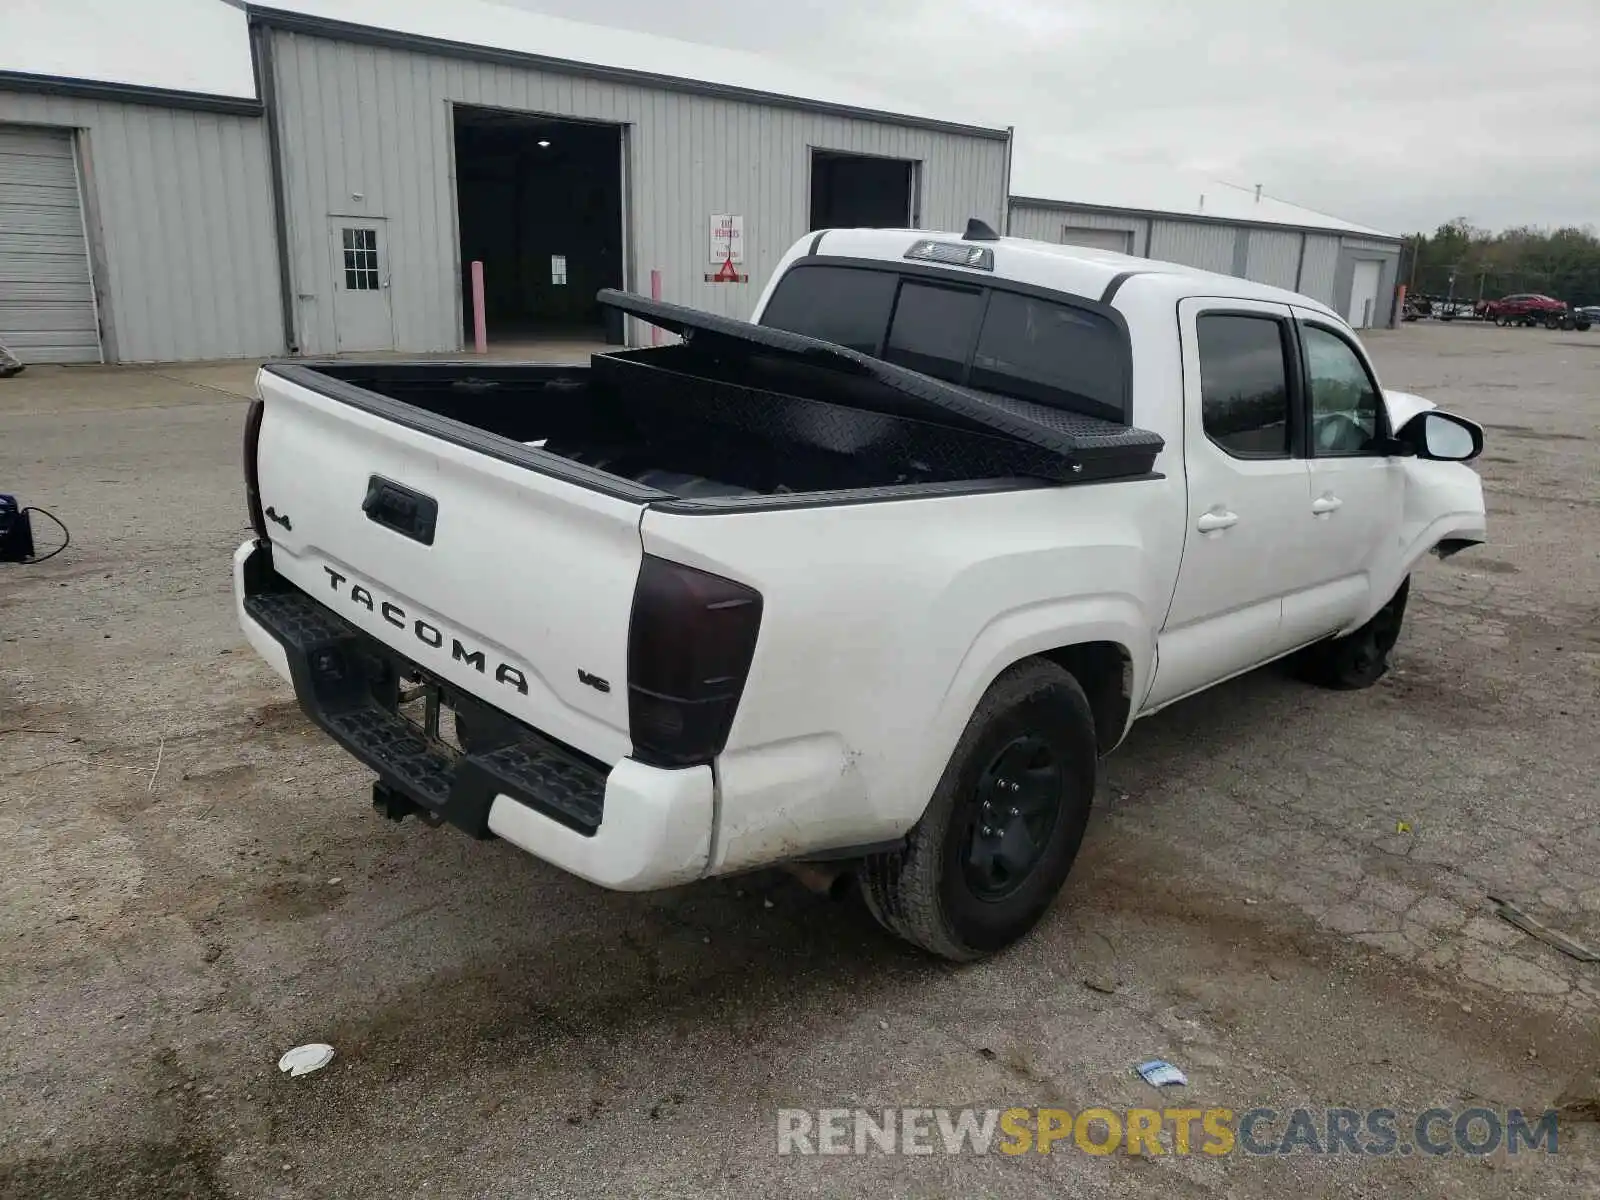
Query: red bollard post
[480, 327]
[655, 294]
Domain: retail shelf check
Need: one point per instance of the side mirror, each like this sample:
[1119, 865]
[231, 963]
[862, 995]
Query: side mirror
[1442, 436]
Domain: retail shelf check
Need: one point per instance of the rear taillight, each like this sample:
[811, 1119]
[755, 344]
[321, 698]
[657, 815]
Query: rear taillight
[690, 642]
[252, 477]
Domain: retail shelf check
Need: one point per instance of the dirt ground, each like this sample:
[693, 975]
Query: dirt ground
[1284, 891]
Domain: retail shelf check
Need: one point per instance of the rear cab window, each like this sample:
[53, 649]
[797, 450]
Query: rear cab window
[1009, 341]
[842, 305]
[932, 329]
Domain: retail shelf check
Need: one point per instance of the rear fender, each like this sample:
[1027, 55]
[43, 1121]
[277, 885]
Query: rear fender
[1022, 633]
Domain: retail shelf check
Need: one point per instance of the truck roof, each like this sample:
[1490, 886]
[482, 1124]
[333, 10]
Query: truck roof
[1075, 270]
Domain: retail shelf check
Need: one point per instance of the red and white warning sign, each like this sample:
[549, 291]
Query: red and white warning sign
[727, 238]
[727, 248]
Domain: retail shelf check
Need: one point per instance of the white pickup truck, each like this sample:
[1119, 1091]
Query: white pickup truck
[872, 581]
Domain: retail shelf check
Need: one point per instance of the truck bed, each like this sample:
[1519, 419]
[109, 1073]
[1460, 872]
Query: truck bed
[738, 414]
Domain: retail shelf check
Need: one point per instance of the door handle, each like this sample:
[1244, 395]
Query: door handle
[1216, 521]
[1325, 504]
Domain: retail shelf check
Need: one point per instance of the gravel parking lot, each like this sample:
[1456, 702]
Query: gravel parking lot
[1284, 891]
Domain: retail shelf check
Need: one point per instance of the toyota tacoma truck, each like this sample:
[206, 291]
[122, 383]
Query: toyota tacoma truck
[866, 586]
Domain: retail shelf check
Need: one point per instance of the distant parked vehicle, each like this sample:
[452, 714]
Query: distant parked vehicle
[1586, 315]
[1454, 310]
[1531, 308]
[1442, 308]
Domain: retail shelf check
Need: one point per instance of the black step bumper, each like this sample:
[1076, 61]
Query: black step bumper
[348, 684]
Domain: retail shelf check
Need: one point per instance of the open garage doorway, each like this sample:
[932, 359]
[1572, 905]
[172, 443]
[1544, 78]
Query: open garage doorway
[539, 203]
[855, 191]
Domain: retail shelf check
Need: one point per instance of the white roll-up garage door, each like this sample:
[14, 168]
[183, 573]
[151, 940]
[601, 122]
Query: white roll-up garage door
[1120, 240]
[47, 312]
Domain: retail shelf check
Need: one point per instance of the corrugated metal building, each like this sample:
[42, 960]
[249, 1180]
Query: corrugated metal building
[1202, 223]
[136, 219]
[134, 232]
[323, 181]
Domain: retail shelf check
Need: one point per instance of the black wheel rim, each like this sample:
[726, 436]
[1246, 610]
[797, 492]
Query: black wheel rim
[1364, 654]
[1015, 807]
[1385, 628]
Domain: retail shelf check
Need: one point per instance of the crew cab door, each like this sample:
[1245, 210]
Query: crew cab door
[1357, 489]
[1248, 514]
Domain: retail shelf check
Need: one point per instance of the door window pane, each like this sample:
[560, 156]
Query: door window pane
[933, 329]
[360, 259]
[847, 306]
[1244, 385]
[1344, 400]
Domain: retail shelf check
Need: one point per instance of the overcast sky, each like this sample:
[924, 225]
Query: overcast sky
[1398, 114]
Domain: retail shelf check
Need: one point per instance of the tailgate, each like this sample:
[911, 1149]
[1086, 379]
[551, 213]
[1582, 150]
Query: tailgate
[513, 585]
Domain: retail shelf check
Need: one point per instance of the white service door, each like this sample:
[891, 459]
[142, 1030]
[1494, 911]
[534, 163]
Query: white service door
[47, 309]
[1363, 311]
[361, 316]
[1248, 504]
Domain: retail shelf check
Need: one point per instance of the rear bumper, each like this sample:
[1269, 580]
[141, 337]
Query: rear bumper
[629, 826]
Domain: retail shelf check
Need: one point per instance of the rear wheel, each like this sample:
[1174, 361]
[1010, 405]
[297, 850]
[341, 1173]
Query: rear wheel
[1552, 322]
[1359, 659]
[1004, 826]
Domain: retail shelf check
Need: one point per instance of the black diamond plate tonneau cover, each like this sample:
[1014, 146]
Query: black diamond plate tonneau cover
[1067, 433]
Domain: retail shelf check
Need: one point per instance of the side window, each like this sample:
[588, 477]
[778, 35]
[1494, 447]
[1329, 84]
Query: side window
[843, 305]
[933, 329]
[1344, 400]
[1244, 384]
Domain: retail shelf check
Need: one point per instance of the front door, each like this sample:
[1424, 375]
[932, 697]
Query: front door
[1357, 496]
[361, 316]
[1248, 519]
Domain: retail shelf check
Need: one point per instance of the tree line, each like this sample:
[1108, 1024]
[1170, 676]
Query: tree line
[1469, 263]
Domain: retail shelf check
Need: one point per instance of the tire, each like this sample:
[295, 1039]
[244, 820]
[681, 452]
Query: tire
[1581, 325]
[958, 893]
[1552, 322]
[1361, 658]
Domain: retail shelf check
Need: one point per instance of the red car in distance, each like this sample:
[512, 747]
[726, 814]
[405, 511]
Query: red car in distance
[1529, 308]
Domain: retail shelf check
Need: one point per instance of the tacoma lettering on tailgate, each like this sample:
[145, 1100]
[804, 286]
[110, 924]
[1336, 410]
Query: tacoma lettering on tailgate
[429, 635]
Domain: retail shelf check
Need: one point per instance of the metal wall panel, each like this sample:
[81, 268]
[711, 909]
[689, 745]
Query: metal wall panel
[47, 312]
[1319, 268]
[367, 131]
[1048, 223]
[1194, 244]
[1274, 257]
[179, 209]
